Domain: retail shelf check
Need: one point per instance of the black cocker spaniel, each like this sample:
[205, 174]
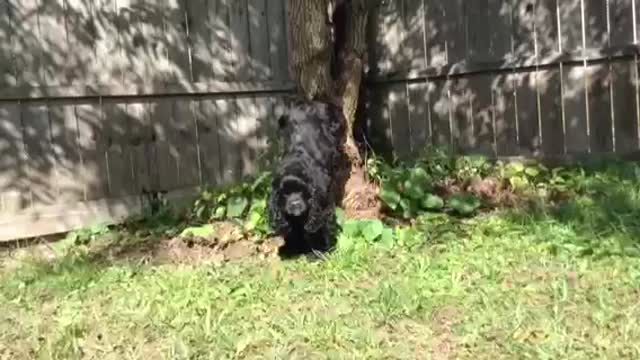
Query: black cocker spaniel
[302, 202]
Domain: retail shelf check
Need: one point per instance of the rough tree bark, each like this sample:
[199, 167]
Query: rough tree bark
[327, 40]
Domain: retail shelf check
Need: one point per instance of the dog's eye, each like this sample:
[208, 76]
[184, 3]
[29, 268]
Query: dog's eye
[282, 121]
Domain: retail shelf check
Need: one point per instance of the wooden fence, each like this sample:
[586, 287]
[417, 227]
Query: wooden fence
[535, 78]
[103, 101]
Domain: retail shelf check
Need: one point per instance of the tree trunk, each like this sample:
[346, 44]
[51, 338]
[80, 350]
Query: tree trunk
[327, 41]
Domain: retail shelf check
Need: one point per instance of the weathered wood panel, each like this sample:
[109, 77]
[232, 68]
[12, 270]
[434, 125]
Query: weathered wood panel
[119, 152]
[401, 131]
[418, 116]
[67, 181]
[440, 113]
[482, 120]
[600, 110]
[574, 97]
[92, 147]
[14, 184]
[625, 106]
[184, 135]
[552, 126]
[504, 114]
[209, 142]
[277, 40]
[529, 141]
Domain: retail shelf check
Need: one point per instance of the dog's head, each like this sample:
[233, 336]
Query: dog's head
[294, 197]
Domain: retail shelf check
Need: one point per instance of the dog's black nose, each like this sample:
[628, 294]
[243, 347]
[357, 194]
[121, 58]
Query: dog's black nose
[295, 205]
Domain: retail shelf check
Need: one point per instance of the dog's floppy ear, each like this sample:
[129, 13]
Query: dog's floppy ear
[319, 212]
[275, 217]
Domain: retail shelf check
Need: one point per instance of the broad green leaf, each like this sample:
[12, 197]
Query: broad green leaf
[390, 196]
[236, 206]
[464, 204]
[419, 176]
[199, 231]
[220, 212]
[372, 230]
[351, 228]
[413, 190]
[432, 202]
[532, 171]
[387, 238]
[409, 208]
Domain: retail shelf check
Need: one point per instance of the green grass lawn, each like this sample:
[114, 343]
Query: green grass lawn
[549, 282]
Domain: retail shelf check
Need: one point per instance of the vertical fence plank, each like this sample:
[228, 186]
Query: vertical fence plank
[265, 130]
[240, 40]
[259, 39]
[624, 105]
[500, 28]
[166, 149]
[379, 128]
[596, 32]
[575, 109]
[455, 31]
[461, 115]
[389, 34]
[26, 45]
[524, 19]
[206, 116]
[419, 116]
[140, 28]
[246, 135]
[92, 145]
[227, 115]
[201, 15]
[177, 30]
[106, 68]
[140, 135]
[14, 185]
[413, 47]
[546, 26]
[277, 40]
[183, 131]
[483, 139]
[40, 159]
[435, 33]
[600, 112]
[56, 58]
[121, 179]
[478, 30]
[621, 20]
[505, 117]
[399, 118]
[549, 92]
[527, 114]
[224, 66]
[439, 109]
[570, 13]
[68, 170]
[81, 37]
[7, 66]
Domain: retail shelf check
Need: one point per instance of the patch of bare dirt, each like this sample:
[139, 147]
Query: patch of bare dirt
[228, 243]
[444, 344]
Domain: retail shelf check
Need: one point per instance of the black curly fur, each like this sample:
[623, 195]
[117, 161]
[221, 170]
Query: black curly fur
[302, 200]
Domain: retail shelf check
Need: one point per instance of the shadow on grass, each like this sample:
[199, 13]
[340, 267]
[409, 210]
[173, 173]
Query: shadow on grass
[601, 216]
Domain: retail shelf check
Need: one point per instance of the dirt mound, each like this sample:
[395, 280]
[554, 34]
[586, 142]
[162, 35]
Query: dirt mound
[360, 199]
[228, 243]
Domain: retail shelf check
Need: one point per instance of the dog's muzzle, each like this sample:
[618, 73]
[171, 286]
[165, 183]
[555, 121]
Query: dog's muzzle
[295, 204]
